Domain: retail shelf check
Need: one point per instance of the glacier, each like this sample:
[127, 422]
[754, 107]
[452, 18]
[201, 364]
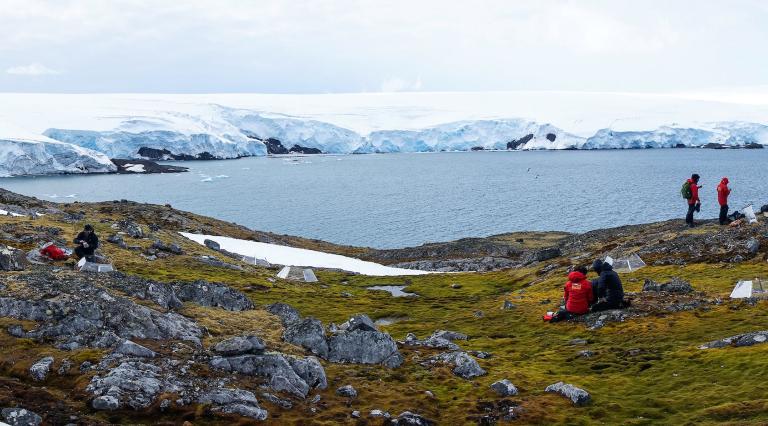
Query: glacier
[75, 133]
[22, 153]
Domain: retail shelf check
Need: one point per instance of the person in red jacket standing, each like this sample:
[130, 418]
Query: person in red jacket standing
[722, 197]
[578, 296]
[694, 204]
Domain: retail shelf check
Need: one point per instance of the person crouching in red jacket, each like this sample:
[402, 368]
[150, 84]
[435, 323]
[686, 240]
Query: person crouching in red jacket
[722, 198]
[578, 296]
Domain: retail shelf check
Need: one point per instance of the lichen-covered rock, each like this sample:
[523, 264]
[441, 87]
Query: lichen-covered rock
[213, 294]
[407, 418]
[739, 340]
[463, 364]
[753, 246]
[364, 347]
[21, 417]
[234, 401]
[309, 334]
[272, 366]
[577, 395]
[359, 322]
[285, 312]
[430, 342]
[240, 345]
[12, 259]
[130, 348]
[676, 285]
[504, 388]
[105, 403]
[310, 370]
[40, 369]
[347, 391]
[168, 248]
[213, 245]
[133, 384]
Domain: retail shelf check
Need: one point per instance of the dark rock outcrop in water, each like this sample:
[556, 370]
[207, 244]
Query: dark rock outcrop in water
[147, 167]
[298, 149]
[274, 146]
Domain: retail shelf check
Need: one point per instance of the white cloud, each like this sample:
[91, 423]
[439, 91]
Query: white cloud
[31, 69]
[396, 84]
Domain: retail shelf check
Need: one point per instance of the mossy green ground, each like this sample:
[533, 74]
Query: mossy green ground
[646, 370]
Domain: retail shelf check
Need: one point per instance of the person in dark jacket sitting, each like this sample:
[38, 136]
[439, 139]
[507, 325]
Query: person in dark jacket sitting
[610, 292]
[87, 242]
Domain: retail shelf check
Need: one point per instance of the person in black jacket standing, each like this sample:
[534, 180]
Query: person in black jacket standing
[610, 292]
[87, 242]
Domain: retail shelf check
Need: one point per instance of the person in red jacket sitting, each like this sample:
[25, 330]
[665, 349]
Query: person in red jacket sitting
[722, 197]
[578, 296]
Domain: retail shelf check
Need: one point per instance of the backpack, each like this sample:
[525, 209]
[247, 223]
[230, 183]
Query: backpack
[54, 252]
[685, 191]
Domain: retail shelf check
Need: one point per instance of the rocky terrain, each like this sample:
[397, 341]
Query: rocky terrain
[183, 333]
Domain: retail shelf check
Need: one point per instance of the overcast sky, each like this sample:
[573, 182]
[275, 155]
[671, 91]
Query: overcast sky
[299, 46]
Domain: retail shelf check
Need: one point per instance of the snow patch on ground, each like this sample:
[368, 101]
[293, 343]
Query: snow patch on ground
[135, 168]
[291, 256]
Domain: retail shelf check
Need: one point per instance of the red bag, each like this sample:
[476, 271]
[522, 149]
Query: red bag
[54, 253]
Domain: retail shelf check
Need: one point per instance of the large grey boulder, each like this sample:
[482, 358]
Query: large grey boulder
[504, 388]
[463, 364]
[364, 347]
[310, 370]
[130, 348]
[12, 259]
[240, 345]
[213, 294]
[359, 322]
[133, 384]
[285, 312]
[272, 366]
[213, 245]
[739, 340]
[309, 334]
[577, 395]
[40, 369]
[753, 246]
[105, 403]
[234, 401]
[21, 417]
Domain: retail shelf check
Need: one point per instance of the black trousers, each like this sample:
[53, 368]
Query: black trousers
[689, 216]
[82, 252]
[606, 305]
[724, 214]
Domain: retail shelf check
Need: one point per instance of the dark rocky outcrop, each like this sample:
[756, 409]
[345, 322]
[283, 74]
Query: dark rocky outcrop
[164, 154]
[274, 146]
[274, 367]
[21, 417]
[739, 340]
[298, 149]
[577, 395]
[676, 285]
[309, 334]
[212, 294]
[551, 137]
[147, 167]
[240, 345]
[517, 143]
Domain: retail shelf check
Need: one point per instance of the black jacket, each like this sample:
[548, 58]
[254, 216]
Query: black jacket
[92, 240]
[609, 285]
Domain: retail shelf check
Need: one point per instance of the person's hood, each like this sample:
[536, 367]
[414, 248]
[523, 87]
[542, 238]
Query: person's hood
[597, 266]
[724, 181]
[576, 276]
[606, 267]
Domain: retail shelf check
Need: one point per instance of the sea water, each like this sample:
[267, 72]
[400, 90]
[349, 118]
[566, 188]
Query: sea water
[397, 200]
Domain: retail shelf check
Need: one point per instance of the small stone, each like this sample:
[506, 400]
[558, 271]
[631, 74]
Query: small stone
[315, 399]
[21, 417]
[508, 305]
[15, 330]
[578, 396]
[130, 348]
[106, 402]
[455, 286]
[39, 370]
[504, 388]
[578, 342]
[165, 404]
[586, 354]
[478, 314]
[355, 414]
[380, 413]
[347, 391]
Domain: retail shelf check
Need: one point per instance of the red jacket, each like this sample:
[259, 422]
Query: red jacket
[694, 192]
[578, 293]
[723, 191]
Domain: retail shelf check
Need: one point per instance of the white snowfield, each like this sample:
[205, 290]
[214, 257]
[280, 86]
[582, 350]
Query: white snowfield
[291, 256]
[235, 125]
